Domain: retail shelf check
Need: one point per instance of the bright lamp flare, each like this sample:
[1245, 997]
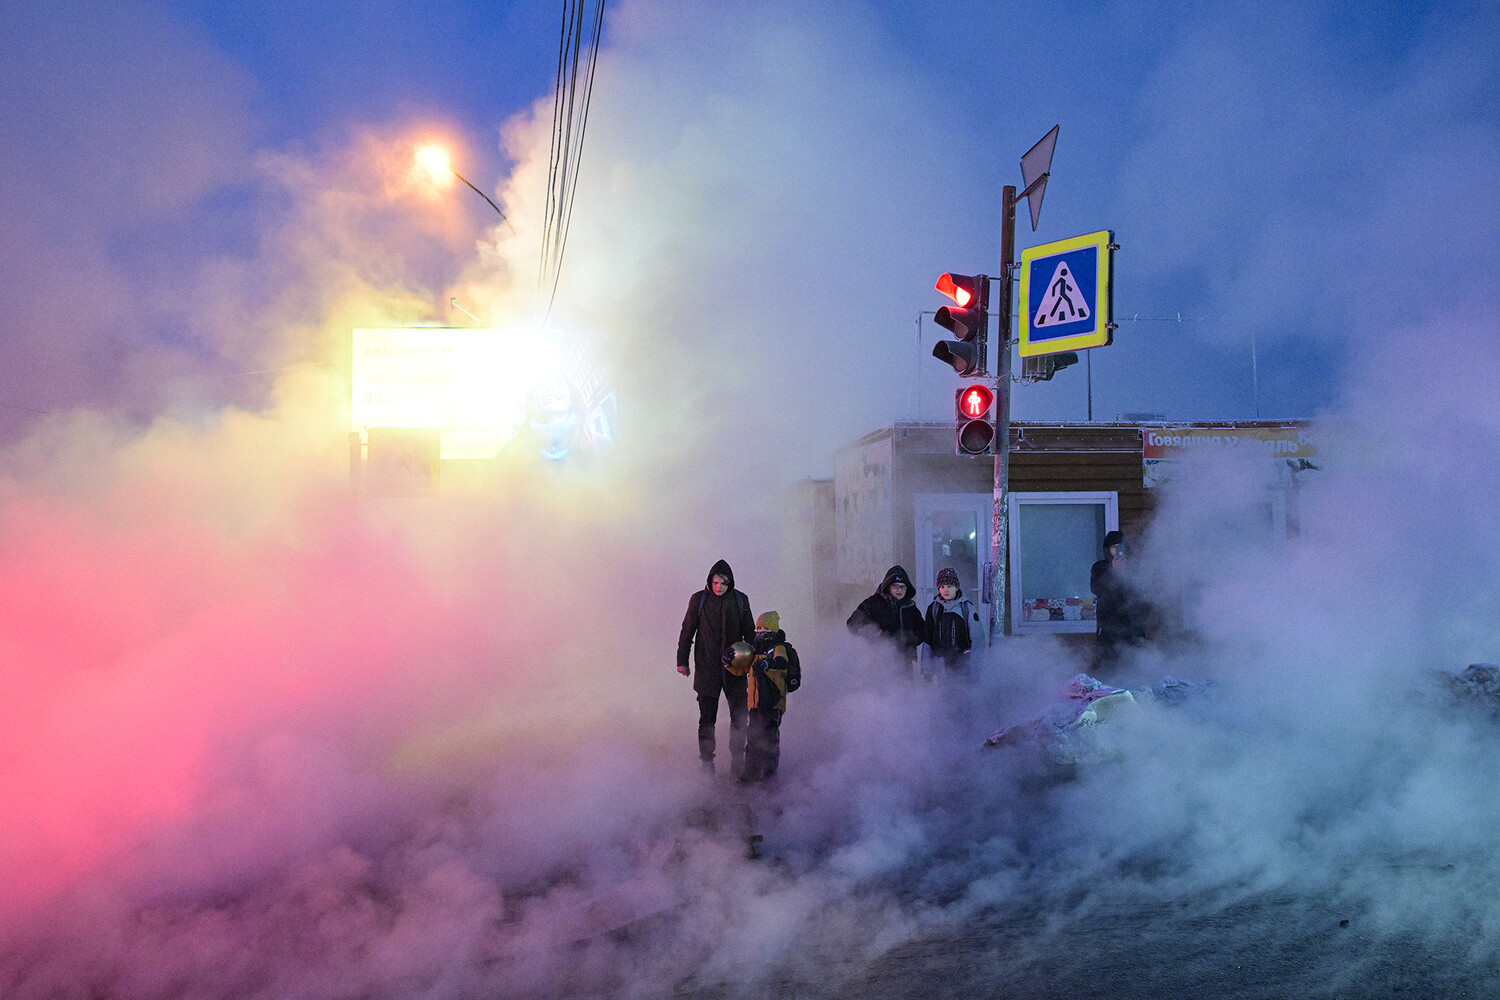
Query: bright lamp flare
[433, 161]
[958, 293]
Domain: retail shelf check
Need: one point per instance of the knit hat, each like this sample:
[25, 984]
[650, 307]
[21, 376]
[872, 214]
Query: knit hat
[769, 621]
[947, 575]
[1114, 538]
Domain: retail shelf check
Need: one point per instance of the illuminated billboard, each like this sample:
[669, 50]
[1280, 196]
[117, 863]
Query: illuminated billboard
[484, 389]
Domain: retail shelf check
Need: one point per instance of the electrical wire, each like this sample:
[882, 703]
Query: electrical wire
[561, 154]
[569, 116]
[588, 93]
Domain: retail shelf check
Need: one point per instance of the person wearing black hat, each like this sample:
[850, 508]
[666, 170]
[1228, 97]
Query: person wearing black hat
[891, 613]
[1120, 613]
[953, 629]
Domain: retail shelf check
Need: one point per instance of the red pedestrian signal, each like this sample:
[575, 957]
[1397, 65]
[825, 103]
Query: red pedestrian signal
[975, 427]
[968, 319]
[975, 402]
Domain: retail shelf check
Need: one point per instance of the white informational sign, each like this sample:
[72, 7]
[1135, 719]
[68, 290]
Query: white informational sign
[1162, 447]
[481, 388]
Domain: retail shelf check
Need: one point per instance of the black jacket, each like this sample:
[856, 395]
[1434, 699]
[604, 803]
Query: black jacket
[1121, 613]
[717, 623]
[952, 626]
[899, 621]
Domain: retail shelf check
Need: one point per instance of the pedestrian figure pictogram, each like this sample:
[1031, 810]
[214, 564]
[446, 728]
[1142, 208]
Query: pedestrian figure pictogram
[1063, 302]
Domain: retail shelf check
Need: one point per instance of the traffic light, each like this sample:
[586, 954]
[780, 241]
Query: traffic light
[1042, 367]
[975, 427]
[968, 319]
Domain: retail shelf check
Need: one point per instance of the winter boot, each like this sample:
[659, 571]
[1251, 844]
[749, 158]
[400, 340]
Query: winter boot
[738, 731]
[706, 746]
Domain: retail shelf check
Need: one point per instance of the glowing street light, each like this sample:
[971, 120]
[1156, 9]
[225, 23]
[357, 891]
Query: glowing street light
[435, 163]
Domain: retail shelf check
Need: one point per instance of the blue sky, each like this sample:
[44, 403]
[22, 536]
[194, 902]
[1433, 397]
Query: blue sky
[779, 182]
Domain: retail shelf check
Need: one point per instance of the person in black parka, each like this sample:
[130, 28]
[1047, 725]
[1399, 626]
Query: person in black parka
[953, 629]
[892, 612]
[1122, 616]
[717, 617]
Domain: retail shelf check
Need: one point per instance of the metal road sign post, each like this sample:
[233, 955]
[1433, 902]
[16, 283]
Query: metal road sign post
[1000, 528]
[1036, 167]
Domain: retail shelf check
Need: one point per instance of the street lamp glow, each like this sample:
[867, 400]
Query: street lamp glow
[433, 161]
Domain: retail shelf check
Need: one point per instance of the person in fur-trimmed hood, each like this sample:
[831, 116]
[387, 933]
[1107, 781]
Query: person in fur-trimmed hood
[953, 628]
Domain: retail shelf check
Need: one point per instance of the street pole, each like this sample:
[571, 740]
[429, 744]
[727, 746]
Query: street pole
[1088, 358]
[1254, 375]
[1000, 529]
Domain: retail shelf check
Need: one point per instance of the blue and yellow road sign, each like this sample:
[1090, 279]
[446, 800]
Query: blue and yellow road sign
[1065, 295]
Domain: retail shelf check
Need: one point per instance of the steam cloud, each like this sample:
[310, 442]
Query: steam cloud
[260, 739]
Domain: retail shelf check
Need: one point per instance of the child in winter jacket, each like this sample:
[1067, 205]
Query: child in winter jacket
[774, 672]
[953, 628]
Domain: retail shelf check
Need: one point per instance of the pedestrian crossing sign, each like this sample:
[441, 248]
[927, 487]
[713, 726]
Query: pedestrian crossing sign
[1065, 295]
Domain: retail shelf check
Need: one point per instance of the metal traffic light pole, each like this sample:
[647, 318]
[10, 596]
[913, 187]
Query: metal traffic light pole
[1000, 529]
[1036, 167]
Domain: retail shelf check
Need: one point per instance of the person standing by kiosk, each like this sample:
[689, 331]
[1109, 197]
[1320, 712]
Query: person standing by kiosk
[953, 628]
[1121, 615]
[891, 613]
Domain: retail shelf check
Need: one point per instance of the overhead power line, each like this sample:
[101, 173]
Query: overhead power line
[578, 43]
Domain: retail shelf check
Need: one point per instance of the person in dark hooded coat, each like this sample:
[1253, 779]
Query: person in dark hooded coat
[1122, 615]
[717, 617]
[892, 612]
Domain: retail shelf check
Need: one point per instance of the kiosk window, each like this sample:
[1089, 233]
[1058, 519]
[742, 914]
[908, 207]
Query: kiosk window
[1056, 539]
[955, 543]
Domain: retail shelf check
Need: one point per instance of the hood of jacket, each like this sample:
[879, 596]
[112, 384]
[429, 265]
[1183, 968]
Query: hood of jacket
[952, 605]
[896, 574]
[720, 568]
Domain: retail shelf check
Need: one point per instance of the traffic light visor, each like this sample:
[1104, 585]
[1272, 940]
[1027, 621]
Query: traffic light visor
[961, 288]
[963, 357]
[963, 323]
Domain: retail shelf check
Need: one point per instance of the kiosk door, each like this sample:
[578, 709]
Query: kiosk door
[952, 529]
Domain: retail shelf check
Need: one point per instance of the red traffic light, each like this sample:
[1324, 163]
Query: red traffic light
[975, 402]
[961, 288]
[974, 405]
[968, 319]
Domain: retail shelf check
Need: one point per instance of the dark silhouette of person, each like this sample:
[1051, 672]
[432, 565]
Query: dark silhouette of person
[1121, 615]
